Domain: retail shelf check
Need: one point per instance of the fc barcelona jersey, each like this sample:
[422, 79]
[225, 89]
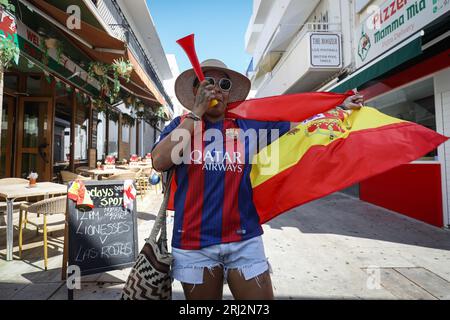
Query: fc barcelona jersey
[213, 198]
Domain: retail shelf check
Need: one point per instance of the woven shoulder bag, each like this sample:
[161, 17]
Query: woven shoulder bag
[150, 278]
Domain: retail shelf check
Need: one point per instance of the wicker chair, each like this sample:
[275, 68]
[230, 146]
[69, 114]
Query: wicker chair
[68, 176]
[142, 181]
[81, 171]
[45, 207]
[122, 176]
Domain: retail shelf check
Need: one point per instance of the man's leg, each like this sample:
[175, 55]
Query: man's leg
[257, 288]
[210, 289]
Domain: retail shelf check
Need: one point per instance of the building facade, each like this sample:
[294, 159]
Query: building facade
[178, 109]
[77, 91]
[396, 52]
[131, 22]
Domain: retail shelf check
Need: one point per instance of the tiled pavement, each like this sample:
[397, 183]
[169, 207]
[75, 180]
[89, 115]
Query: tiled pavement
[334, 248]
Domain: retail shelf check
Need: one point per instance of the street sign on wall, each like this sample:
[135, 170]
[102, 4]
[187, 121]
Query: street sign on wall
[393, 22]
[325, 50]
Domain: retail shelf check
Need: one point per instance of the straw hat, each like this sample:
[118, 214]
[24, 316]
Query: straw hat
[185, 82]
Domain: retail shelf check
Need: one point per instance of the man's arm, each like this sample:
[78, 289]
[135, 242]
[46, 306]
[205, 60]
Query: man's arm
[161, 155]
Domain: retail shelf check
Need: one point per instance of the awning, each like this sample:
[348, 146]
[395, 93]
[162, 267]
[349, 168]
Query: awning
[139, 76]
[408, 50]
[100, 46]
[88, 35]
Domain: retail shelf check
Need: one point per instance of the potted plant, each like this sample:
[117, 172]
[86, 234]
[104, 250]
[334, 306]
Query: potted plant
[110, 160]
[134, 158]
[8, 6]
[122, 68]
[8, 51]
[97, 69]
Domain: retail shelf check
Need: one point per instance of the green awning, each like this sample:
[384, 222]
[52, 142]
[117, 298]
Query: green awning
[403, 54]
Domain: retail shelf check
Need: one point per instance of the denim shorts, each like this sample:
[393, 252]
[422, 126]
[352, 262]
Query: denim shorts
[246, 256]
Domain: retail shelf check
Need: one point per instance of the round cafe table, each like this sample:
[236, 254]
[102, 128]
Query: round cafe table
[12, 192]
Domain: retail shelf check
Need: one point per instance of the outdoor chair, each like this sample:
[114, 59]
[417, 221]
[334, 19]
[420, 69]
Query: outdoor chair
[142, 181]
[80, 171]
[45, 207]
[68, 176]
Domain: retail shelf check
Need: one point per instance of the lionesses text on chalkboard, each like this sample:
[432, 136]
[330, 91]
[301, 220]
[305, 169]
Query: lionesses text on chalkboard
[105, 237]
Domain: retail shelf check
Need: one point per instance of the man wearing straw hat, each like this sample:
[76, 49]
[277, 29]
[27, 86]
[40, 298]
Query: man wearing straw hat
[217, 234]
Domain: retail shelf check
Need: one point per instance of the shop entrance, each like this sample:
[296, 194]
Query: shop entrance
[7, 136]
[34, 137]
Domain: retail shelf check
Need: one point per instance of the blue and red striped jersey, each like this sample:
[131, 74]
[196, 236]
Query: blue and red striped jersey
[213, 198]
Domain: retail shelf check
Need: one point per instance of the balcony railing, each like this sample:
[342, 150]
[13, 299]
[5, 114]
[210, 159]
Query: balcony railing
[268, 70]
[249, 69]
[133, 43]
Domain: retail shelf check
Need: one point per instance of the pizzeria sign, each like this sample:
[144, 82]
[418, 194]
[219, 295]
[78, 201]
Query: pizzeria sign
[393, 22]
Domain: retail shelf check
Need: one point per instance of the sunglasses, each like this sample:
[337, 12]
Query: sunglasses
[224, 83]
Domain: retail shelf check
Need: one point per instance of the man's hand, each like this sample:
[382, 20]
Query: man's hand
[354, 102]
[203, 97]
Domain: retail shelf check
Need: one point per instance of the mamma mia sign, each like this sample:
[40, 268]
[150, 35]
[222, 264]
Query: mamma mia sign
[393, 22]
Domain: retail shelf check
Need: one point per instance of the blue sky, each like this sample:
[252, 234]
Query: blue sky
[219, 27]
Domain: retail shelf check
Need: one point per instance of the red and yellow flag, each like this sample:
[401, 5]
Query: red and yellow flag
[332, 151]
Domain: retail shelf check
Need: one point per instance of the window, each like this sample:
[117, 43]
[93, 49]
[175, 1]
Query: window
[101, 136]
[149, 138]
[37, 85]
[133, 141]
[81, 129]
[126, 133]
[61, 131]
[11, 81]
[113, 134]
[413, 103]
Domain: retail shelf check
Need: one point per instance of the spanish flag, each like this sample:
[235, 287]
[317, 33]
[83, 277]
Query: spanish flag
[332, 151]
[78, 193]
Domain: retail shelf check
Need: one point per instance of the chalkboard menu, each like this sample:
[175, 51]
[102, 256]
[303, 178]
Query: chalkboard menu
[105, 237]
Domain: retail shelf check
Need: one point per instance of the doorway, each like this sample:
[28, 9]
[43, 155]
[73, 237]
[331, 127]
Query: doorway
[34, 137]
[7, 136]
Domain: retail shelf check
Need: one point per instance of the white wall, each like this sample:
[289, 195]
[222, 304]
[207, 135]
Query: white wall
[442, 103]
[169, 85]
[281, 33]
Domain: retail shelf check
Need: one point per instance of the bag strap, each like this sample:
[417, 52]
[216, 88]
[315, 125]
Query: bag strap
[160, 221]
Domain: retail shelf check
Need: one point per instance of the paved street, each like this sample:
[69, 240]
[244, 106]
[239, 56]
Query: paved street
[334, 248]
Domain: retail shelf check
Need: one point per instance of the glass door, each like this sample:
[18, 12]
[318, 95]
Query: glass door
[7, 136]
[34, 137]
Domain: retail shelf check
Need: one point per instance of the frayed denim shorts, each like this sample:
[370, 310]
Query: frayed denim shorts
[246, 256]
